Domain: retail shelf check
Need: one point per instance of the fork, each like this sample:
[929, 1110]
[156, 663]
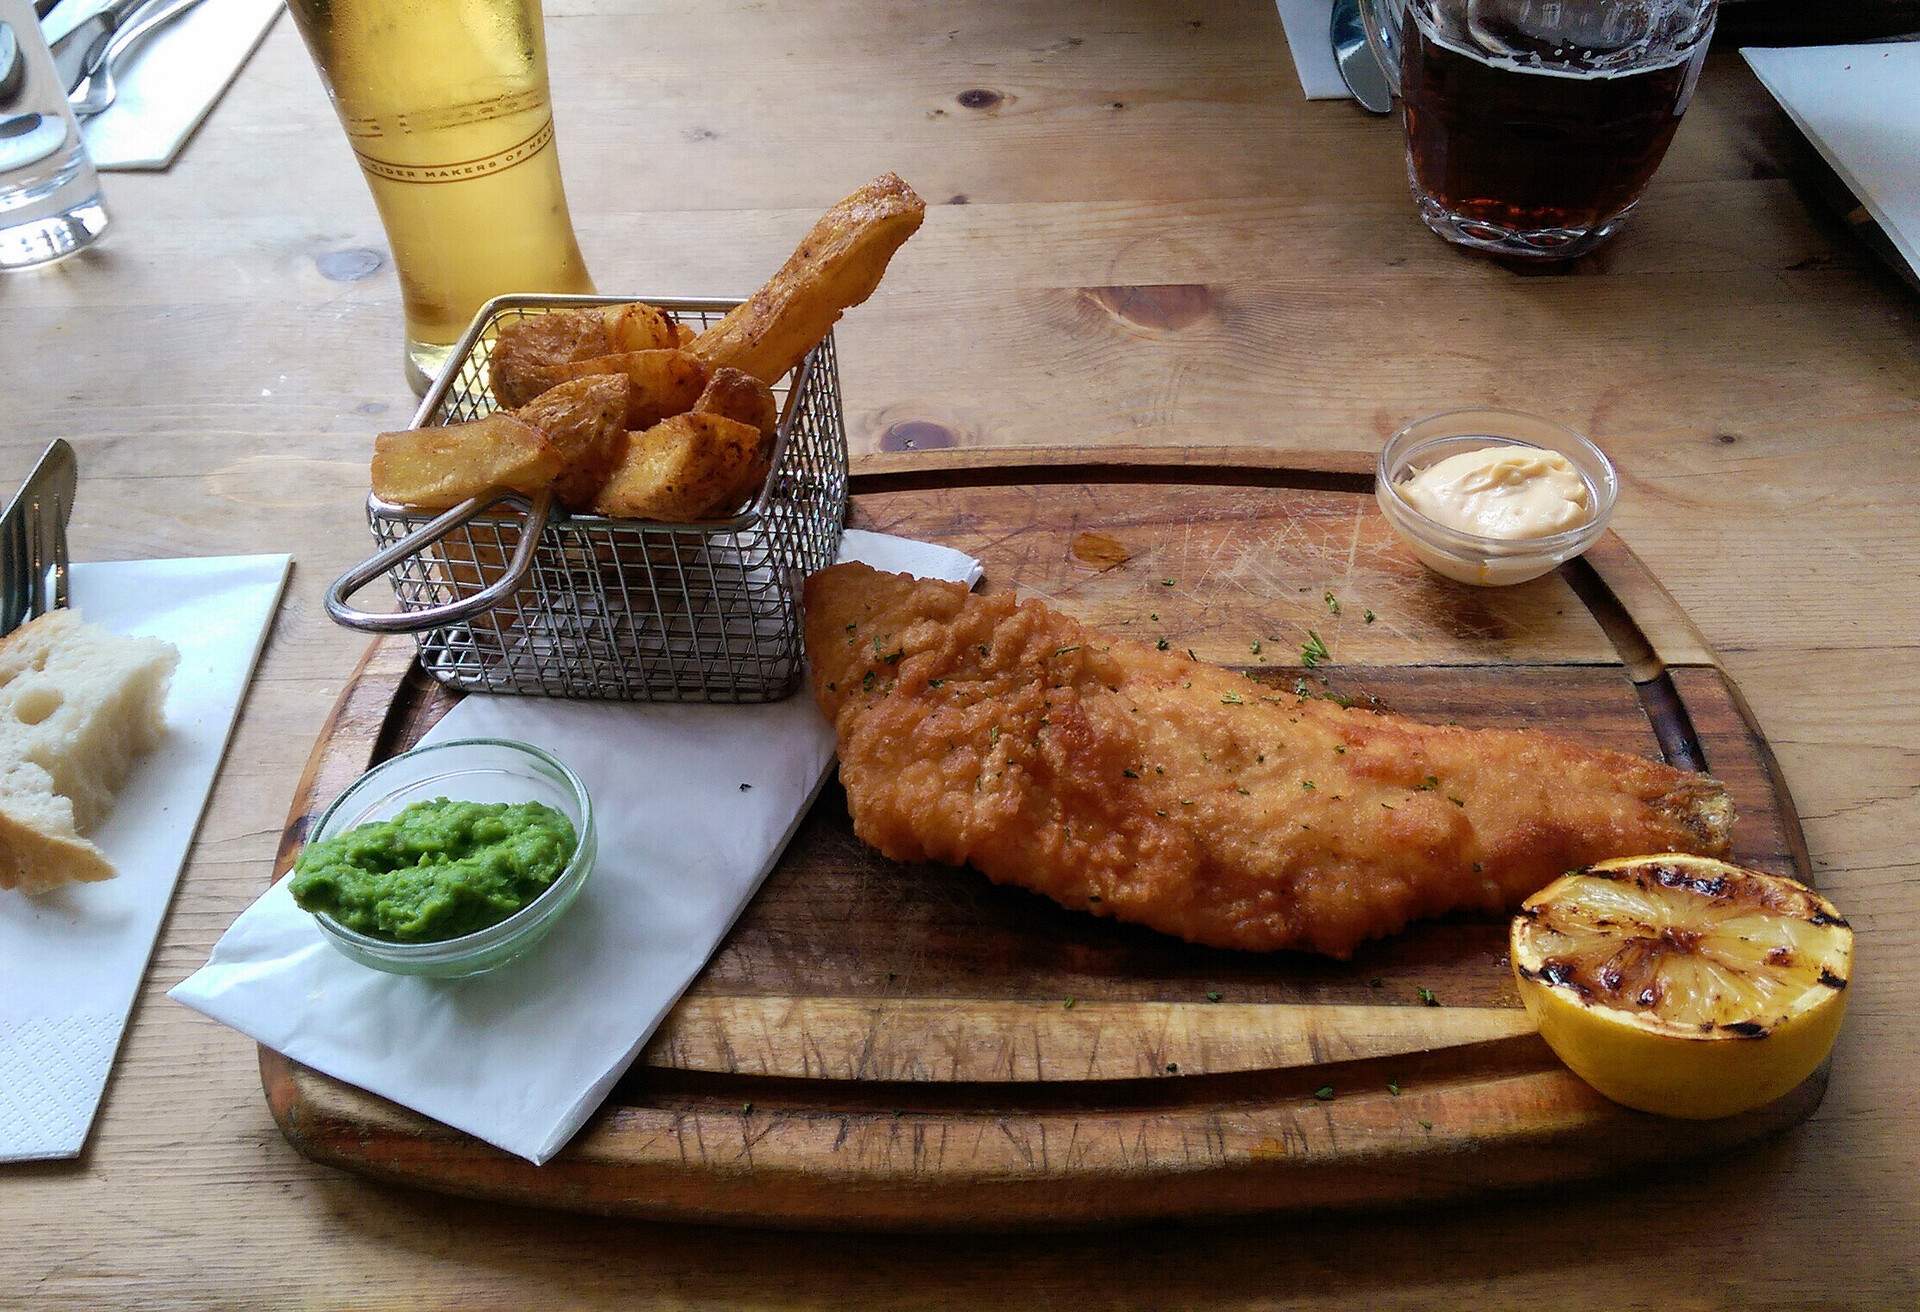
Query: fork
[34, 565]
[47, 555]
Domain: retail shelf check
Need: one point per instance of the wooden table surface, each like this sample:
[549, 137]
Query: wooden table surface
[1139, 232]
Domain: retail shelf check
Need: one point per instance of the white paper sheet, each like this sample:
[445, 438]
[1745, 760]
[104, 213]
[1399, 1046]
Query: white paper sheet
[1308, 23]
[520, 1058]
[1860, 106]
[71, 960]
[170, 81]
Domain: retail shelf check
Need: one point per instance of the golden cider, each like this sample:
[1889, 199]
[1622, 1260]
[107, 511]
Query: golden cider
[445, 104]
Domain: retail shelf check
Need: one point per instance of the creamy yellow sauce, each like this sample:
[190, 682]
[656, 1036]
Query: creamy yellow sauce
[1511, 492]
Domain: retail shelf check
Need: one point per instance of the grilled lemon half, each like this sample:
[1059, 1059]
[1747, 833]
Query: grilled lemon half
[1683, 985]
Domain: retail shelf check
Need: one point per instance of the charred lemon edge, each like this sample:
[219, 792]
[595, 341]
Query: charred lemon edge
[1675, 1069]
[1831, 982]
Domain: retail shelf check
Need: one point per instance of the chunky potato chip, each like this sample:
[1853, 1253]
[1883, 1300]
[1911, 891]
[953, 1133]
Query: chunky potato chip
[527, 348]
[586, 420]
[683, 468]
[639, 327]
[740, 396]
[837, 265]
[536, 340]
[663, 382]
[435, 468]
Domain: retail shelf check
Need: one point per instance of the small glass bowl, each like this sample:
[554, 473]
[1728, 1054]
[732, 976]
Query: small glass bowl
[1470, 557]
[468, 770]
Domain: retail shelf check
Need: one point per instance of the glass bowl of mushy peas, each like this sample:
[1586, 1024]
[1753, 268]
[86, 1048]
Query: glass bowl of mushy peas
[449, 860]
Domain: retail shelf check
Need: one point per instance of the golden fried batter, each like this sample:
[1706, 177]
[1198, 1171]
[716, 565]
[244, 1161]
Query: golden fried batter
[1146, 786]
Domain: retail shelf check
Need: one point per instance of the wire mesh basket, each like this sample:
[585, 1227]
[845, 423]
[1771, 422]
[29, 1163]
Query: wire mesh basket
[515, 595]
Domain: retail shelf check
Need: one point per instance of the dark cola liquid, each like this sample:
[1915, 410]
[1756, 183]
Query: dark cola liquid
[1536, 149]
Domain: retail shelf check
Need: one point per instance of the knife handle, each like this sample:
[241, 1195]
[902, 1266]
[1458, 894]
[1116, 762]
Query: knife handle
[118, 11]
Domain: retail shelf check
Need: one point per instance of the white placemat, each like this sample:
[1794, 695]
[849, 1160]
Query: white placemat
[71, 960]
[693, 805]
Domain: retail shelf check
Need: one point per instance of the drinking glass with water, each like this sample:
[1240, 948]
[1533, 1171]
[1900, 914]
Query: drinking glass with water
[50, 202]
[1534, 126]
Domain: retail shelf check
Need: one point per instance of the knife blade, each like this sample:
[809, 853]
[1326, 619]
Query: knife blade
[53, 482]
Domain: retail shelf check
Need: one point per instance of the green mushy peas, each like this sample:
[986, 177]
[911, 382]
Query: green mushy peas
[437, 870]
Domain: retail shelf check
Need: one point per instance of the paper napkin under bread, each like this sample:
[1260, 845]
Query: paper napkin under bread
[71, 960]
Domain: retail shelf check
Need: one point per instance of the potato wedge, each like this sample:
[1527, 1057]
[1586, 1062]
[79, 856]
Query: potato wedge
[663, 382]
[746, 487]
[526, 346]
[586, 420]
[837, 265]
[639, 327]
[434, 468]
[683, 468]
[740, 396]
[745, 398]
[536, 341]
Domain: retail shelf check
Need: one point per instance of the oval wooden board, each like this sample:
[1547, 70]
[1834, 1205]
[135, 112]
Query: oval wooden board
[891, 1047]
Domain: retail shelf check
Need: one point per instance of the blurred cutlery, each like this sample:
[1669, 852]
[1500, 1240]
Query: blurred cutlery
[1358, 68]
[80, 49]
[97, 89]
[13, 66]
[33, 538]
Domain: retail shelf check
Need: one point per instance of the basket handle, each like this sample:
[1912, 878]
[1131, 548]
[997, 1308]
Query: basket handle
[538, 510]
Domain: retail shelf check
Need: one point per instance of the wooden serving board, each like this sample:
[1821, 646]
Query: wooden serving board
[887, 1046]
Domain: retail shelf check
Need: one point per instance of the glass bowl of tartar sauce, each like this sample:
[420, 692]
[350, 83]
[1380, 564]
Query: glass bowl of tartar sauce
[1493, 497]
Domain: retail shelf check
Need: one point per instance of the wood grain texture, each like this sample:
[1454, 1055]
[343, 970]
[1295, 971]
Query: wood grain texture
[1225, 1148]
[1751, 369]
[913, 1047]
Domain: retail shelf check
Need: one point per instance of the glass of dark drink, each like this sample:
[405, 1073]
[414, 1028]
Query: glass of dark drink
[1533, 126]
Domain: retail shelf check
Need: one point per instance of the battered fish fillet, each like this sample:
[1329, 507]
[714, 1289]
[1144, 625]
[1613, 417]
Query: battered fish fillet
[1143, 785]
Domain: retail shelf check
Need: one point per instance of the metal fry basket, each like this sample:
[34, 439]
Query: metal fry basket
[515, 595]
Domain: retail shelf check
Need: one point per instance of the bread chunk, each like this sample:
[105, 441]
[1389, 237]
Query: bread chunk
[77, 705]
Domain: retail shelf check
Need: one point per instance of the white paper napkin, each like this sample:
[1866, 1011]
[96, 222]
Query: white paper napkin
[1860, 106]
[170, 81]
[523, 1056]
[1308, 24]
[71, 960]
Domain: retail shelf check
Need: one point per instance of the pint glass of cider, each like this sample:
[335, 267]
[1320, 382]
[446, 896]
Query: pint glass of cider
[445, 105]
